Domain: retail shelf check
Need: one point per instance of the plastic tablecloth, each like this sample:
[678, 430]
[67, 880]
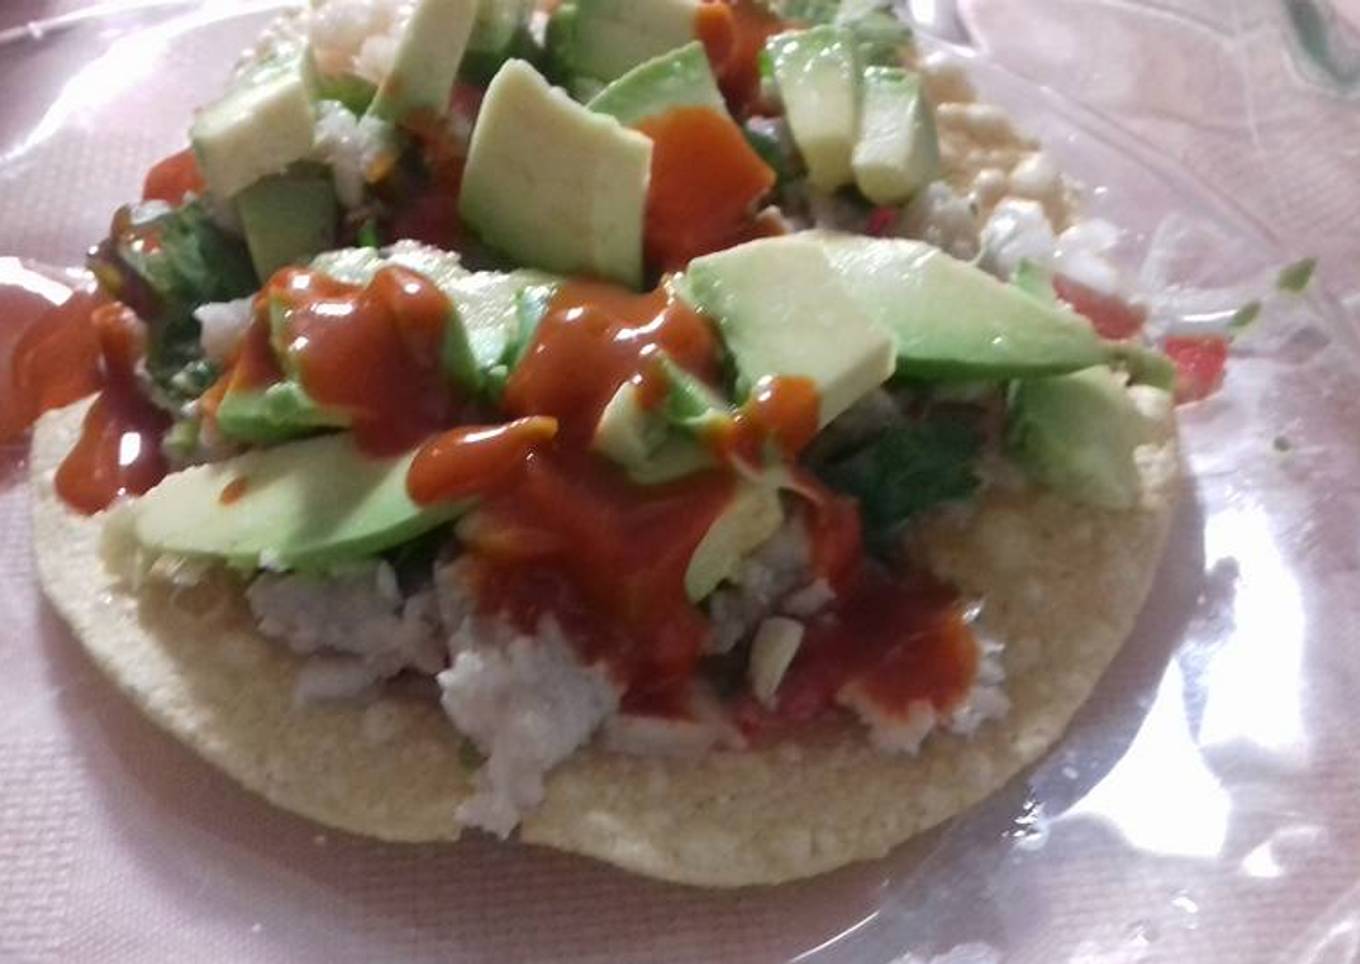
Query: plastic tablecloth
[1202, 807]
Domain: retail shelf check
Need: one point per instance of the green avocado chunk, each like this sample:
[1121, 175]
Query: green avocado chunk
[681, 78]
[898, 151]
[275, 414]
[308, 505]
[553, 184]
[647, 441]
[818, 76]
[951, 320]
[428, 56]
[783, 310]
[611, 37]
[288, 218]
[1077, 434]
[754, 514]
[264, 123]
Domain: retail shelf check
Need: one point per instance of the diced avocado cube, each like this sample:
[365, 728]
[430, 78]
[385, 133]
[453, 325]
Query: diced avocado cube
[631, 434]
[753, 515]
[501, 28]
[782, 310]
[258, 128]
[307, 505]
[427, 60]
[553, 184]
[1077, 434]
[680, 78]
[612, 37]
[898, 152]
[267, 416]
[489, 307]
[818, 78]
[628, 432]
[953, 321]
[288, 218]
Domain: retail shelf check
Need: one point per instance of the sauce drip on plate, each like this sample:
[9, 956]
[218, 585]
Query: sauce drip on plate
[119, 451]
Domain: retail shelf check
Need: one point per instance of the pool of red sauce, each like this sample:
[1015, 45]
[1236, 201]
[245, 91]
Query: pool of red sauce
[119, 450]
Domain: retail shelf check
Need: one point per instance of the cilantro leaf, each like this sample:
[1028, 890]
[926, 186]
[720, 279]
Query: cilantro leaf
[906, 470]
[164, 268]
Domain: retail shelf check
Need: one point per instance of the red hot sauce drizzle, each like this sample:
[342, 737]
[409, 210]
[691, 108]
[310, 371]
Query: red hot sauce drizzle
[373, 352]
[119, 451]
[568, 535]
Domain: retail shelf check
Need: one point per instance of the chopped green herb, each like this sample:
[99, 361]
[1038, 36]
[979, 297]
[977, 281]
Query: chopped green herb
[907, 470]
[1296, 277]
[1244, 316]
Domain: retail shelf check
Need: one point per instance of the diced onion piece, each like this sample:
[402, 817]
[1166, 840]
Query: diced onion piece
[775, 645]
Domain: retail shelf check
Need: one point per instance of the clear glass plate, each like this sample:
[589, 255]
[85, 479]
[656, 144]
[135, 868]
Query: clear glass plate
[1203, 805]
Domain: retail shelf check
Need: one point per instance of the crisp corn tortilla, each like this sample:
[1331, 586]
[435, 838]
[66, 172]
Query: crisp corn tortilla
[1062, 586]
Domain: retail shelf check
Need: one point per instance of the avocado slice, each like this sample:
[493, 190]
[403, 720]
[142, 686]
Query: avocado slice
[898, 151]
[288, 218]
[308, 505]
[818, 77]
[553, 184]
[611, 37]
[680, 78]
[264, 123]
[754, 514]
[782, 310]
[277, 413]
[632, 435]
[953, 321]
[428, 56]
[1077, 434]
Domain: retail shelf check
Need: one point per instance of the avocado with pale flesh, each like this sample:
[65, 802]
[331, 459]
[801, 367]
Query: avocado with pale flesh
[274, 414]
[308, 505]
[611, 37]
[632, 434]
[953, 321]
[818, 77]
[782, 309]
[288, 218]
[898, 151]
[1077, 434]
[753, 515]
[263, 124]
[553, 184]
[428, 56]
[680, 78]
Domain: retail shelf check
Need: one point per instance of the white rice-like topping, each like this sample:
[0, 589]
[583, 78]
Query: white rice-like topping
[896, 732]
[351, 146]
[357, 612]
[325, 678]
[223, 324]
[1018, 230]
[527, 706]
[939, 216]
[358, 36]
